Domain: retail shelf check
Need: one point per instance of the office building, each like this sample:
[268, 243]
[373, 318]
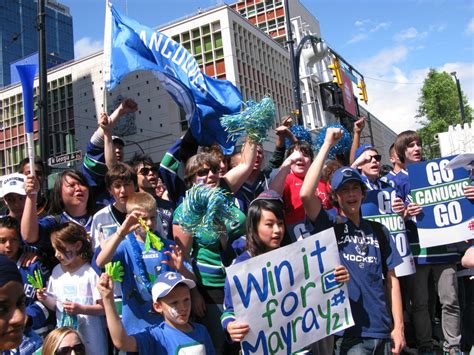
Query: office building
[19, 35]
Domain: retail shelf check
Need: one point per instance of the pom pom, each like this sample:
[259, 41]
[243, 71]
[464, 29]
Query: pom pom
[301, 133]
[342, 147]
[204, 211]
[254, 121]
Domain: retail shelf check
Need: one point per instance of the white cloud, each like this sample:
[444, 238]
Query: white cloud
[357, 38]
[86, 46]
[409, 34]
[393, 93]
[438, 28]
[383, 61]
[360, 23]
[380, 26]
[470, 27]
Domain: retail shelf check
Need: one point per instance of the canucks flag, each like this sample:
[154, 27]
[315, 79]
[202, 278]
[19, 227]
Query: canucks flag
[129, 46]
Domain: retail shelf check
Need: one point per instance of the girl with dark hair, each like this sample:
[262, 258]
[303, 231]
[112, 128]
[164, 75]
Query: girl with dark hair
[70, 202]
[265, 232]
[71, 290]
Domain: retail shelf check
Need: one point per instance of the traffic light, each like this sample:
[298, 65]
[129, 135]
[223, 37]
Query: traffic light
[362, 91]
[336, 71]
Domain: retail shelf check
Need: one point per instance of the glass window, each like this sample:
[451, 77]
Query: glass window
[217, 40]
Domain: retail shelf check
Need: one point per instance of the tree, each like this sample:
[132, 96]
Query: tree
[439, 108]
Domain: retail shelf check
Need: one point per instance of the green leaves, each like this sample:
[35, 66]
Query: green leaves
[115, 271]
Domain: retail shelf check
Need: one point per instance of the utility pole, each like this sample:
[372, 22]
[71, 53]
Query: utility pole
[43, 86]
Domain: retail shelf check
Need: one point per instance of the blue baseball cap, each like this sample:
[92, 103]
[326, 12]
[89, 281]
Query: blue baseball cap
[362, 148]
[343, 175]
[166, 281]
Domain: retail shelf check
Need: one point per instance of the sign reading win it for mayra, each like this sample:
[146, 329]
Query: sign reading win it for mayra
[289, 296]
[447, 215]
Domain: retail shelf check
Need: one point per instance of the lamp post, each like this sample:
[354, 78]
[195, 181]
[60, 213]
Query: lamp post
[461, 103]
[136, 143]
[317, 51]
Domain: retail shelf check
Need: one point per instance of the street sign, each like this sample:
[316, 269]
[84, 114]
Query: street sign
[65, 158]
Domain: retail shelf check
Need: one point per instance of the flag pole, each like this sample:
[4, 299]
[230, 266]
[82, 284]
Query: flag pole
[107, 50]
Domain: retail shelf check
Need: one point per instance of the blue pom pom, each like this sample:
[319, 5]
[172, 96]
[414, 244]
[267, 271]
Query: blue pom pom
[204, 211]
[342, 147]
[254, 121]
[301, 133]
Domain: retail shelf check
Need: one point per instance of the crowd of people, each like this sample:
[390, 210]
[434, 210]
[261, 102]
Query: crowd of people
[105, 264]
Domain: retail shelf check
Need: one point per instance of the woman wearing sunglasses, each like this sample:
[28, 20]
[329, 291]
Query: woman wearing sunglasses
[63, 341]
[209, 258]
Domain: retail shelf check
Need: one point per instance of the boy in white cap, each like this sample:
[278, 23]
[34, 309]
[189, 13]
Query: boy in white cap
[14, 195]
[172, 298]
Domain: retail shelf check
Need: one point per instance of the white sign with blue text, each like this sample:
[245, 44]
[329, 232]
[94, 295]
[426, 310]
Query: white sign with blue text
[289, 296]
[447, 216]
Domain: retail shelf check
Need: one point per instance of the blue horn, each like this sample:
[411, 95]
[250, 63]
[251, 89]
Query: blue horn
[27, 76]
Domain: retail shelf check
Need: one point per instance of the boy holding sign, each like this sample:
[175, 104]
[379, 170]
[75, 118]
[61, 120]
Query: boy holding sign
[367, 251]
[440, 262]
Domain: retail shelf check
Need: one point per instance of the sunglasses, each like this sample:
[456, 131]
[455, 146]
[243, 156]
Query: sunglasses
[205, 171]
[146, 171]
[377, 157]
[79, 349]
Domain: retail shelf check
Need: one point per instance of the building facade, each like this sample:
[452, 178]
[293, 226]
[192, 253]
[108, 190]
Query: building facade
[226, 45]
[19, 36]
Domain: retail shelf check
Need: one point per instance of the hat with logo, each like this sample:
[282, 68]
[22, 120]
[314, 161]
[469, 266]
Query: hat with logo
[13, 183]
[166, 281]
[117, 139]
[362, 148]
[343, 175]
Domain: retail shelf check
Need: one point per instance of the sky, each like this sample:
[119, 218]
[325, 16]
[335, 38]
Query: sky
[393, 43]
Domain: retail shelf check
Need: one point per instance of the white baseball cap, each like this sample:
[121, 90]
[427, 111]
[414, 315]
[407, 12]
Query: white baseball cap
[166, 281]
[13, 183]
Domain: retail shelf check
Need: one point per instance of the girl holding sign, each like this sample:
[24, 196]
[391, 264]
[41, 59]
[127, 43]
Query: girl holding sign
[265, 232]
[368, 252]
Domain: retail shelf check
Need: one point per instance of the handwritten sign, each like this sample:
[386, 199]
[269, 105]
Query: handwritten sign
[447, 215]
[377, 207]
[289, 296]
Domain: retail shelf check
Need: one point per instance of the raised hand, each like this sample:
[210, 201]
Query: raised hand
[105, 286]
[333, 135]
[32, 185]
[359, 125]
[128, 106]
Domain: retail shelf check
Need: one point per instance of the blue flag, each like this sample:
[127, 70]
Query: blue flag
[129, 46]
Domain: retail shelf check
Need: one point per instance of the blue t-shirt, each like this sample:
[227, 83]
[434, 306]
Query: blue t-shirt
[137, 313]
[360, 253]
[164, 339]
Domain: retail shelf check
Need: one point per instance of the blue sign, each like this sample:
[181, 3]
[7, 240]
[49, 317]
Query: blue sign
[447, 215]
[377, 207]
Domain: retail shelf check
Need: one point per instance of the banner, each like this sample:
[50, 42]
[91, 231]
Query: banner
[129, 46]
[289, 296]
[377, 206]
[447, 216]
